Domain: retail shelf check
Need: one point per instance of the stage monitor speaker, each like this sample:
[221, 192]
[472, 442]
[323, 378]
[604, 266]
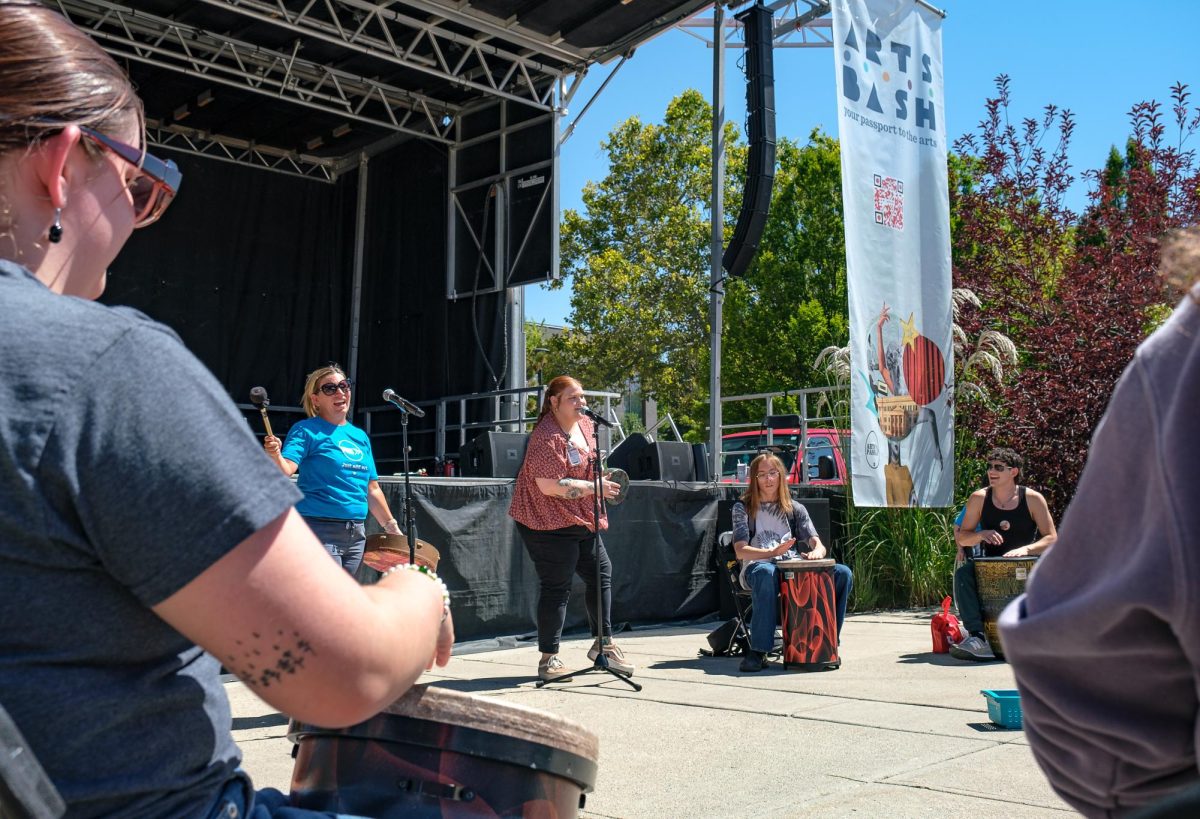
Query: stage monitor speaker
[625, 454]
[700, 460]
[666, 461]
[760, 159]
[494, 455]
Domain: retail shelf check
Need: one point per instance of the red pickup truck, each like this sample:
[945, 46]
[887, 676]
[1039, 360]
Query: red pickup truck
[823, 454]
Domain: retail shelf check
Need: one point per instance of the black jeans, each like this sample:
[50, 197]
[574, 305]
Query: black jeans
[559, 555]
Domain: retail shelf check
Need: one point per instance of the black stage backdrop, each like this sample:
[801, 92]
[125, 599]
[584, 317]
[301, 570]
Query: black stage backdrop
[661, 541]
[254, 270]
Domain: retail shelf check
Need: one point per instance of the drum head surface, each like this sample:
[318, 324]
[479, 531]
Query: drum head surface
[803, 565]
[383, 551]
[487, 714]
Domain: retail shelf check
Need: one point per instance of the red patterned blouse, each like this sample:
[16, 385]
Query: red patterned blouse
[548, 456]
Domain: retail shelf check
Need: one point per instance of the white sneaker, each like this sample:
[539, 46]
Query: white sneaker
[616, 657]
[553, 670]
[973, 648]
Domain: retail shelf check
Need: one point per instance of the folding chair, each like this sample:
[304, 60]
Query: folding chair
[731, 638]
[25, 790]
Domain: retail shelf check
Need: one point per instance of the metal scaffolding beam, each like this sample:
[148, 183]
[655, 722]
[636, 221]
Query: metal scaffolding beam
[804, 24]
[240, 151]
[383, 32]
[152, 40]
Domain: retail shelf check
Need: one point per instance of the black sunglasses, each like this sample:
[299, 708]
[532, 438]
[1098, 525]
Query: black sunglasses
[332, 389]
[998, 467]
[156, 181]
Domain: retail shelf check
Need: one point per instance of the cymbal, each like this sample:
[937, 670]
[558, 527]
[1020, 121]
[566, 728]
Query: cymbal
[383, 551]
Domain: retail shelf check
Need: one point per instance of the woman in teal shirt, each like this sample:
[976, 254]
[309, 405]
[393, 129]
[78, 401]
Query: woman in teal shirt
[337, 469]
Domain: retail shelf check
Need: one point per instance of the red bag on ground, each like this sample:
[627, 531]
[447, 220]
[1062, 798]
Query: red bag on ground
[946, 629]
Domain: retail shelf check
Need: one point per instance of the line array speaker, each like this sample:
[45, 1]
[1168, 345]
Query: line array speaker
[757, 22]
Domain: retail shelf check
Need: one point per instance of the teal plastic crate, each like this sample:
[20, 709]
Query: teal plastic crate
[1004, 707]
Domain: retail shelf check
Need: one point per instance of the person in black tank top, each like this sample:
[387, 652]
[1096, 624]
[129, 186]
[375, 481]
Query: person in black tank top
[1016, 525]
[1013, 521]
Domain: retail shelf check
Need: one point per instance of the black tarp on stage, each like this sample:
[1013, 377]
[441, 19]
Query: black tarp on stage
[660, 540]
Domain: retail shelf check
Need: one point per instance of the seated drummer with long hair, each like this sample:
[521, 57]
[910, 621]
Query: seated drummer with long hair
[767, 523]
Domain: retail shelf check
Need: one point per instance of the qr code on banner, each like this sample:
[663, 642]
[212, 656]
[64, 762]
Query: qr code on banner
[889, 202]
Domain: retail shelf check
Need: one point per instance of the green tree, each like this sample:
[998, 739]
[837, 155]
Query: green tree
[638, 257]
[792, 302]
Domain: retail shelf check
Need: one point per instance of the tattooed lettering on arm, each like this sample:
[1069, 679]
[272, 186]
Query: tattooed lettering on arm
[573, 491]
[265, 660]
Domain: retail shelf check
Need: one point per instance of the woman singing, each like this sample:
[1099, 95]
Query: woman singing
[553, 507]
[337, 469]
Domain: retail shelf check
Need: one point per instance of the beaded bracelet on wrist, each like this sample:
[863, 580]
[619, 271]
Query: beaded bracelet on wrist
[431, 574]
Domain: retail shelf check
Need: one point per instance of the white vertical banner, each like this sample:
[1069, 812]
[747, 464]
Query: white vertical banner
[892, 125]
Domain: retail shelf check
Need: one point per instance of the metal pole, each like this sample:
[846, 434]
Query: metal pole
[716, 297]
[360, 233]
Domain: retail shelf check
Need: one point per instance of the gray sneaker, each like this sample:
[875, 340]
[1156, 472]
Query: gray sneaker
[616, 657]
[553, 670]
[973, 648]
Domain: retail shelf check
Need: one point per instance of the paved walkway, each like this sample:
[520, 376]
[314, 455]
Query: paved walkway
[896, 732]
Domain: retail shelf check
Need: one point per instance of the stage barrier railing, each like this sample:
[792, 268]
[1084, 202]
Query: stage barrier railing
[818, 408]
[455, 417]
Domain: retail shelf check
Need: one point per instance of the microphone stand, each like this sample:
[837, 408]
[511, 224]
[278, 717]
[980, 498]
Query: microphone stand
[410, 523]
[601, 662]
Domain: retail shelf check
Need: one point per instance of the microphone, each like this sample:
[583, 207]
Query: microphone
[258, 397]
[403, 404]
[595, 416]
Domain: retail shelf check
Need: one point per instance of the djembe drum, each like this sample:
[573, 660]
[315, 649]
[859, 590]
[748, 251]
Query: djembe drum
[436, 752]
[999, 580]
[808, 614]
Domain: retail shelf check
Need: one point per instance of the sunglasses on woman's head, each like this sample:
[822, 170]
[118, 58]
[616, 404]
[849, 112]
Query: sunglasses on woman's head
[333, 389]
[154, 185]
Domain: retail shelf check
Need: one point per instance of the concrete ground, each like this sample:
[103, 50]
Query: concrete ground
[897, 731]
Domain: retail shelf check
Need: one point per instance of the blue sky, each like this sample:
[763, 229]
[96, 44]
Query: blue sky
[1095, 58]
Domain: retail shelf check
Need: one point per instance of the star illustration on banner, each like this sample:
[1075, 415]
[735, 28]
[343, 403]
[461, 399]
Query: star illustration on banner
[909, 328]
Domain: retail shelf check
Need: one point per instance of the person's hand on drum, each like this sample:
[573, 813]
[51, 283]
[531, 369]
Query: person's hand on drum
[272, 445]
[991, 537]
[783, 547]
[817, 552]
[609, 489]
[1020, 551]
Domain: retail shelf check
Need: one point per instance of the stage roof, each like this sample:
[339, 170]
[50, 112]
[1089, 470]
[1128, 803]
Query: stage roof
[304, 86]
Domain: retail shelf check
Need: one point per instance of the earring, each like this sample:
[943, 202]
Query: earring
[56, 228]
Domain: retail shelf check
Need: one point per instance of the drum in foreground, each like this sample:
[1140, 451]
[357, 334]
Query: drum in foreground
[808, 613]
[437, 752]
[1000, 580]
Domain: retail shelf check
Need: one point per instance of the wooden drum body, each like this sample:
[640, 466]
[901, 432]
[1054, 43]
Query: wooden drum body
[437, 752]
[808, 614]
[999, 580]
